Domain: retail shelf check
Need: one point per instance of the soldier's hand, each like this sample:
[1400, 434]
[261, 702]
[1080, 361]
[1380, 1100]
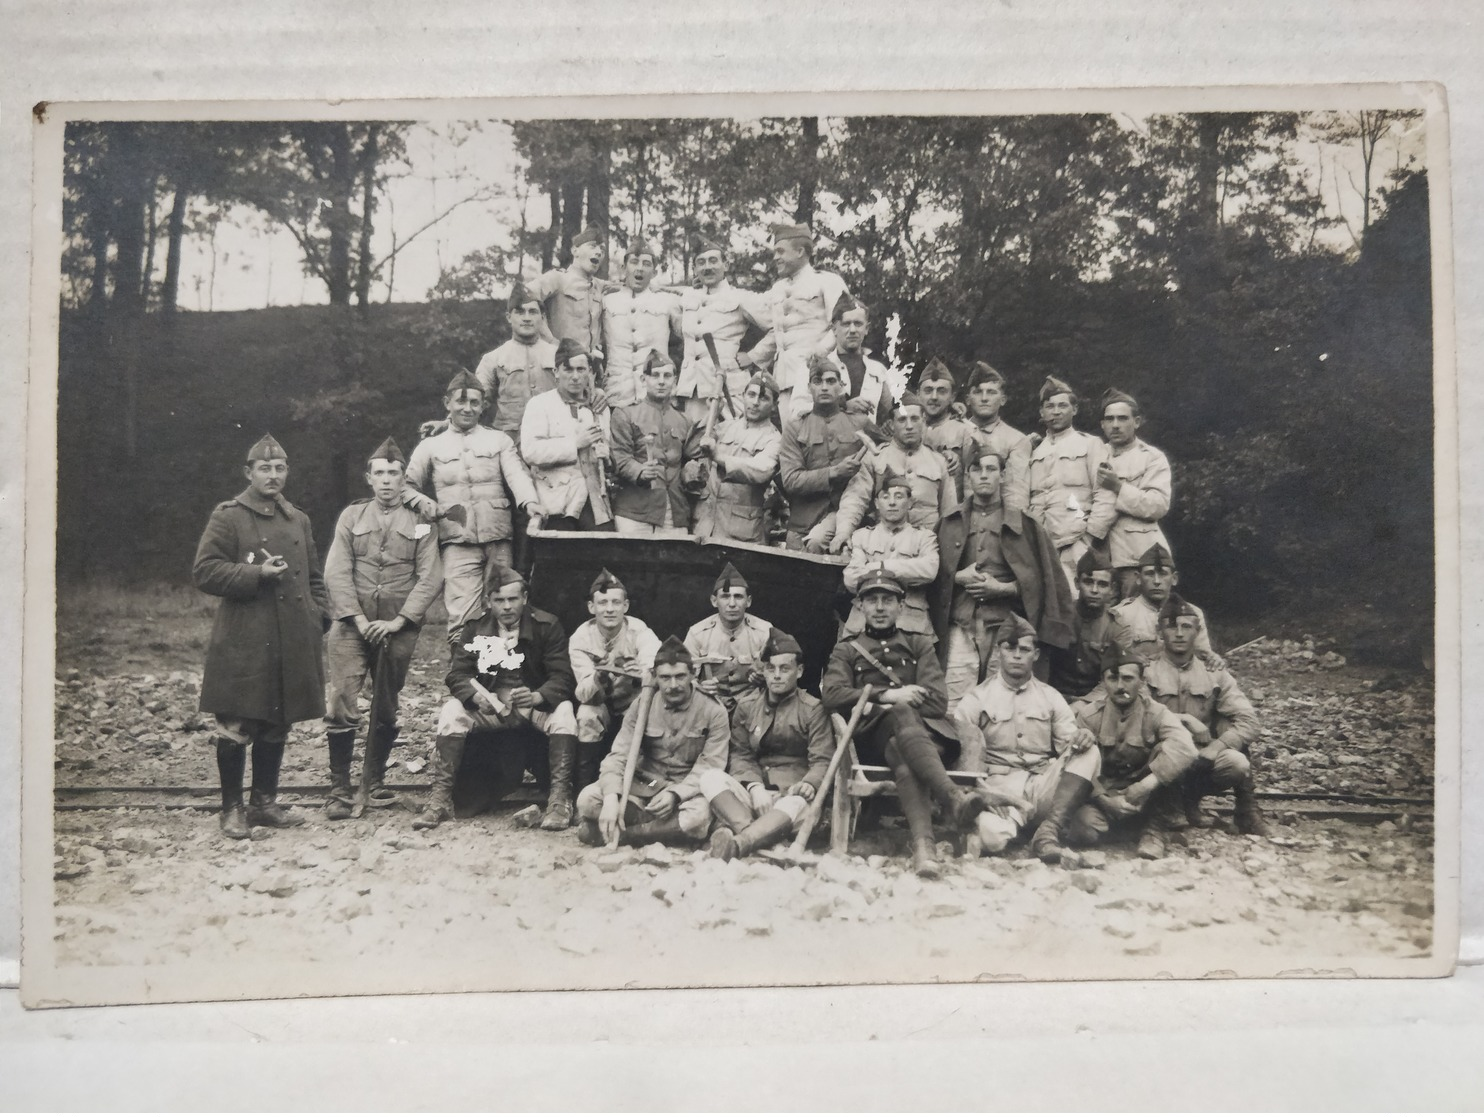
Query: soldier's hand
[857, 406]
[663, 805]
[706, 447]
[1108, 478]
[608, 818]
[837, 545]
[652, 471]
[1083, 739]
[760, 796]
[1198, 731]
[597, 399]
[273, 566]
[1116, 806]
[376, 631]
[706, 686]
[958, 409]
[588, 435]
[1138, 794]
[803, 789]
[1213, 661]
[432, 427]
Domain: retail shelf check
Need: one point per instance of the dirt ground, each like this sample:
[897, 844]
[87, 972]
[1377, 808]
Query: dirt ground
[162, 886]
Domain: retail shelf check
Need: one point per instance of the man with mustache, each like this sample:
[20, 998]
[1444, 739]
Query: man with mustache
[725, 312]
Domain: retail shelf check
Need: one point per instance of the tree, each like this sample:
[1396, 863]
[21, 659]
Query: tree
[1366, 130]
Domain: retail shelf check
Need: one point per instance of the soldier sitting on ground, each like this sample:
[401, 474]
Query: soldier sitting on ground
[610, 654]
[781, 745]
[1218, 715]
[1034, 757]
[382, 572]
[511, 676]
[684, 737]
[728, 645]
[1134, 622]
[905, 711]
[1145, 748]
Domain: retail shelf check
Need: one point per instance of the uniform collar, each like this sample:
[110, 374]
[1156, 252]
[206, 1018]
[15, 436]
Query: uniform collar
[248, 499]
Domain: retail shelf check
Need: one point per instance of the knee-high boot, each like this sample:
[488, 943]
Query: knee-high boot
[773, 825]
[919, 812]
[231, 761]
[1248, 818]
[447, 752]
[1071, 792]
[379, 740]
[342, 743]
[262, 804]
[589, 760]
[561, 751]
[733, 817]
[918, 752]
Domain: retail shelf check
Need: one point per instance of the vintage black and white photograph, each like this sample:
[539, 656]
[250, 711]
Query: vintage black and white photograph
[580, 549]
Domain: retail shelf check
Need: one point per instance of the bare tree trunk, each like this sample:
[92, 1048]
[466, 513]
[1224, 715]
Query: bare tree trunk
[369, 157]
[571, 216]
[548, 245]
[151, 235]
[174, 236]
[98, 293]
[808, 171]
[339, 220]
[599, 194]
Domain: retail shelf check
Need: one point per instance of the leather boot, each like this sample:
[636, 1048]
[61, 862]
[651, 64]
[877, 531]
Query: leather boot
[772, 826]
[733, 817]
[262, 804]
[1193, 788]
[1152, 841]
[660, 830]
[561, 752]
[589, 759]
[342, 744]
[919, 811]
[447, 752]
[1071, 792]
[231, 761]
[1248, 818]
[588, 833]
[379, 739]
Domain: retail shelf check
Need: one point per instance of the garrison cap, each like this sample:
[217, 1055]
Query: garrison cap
[498, 575]
[1174, 608]
[1093, 559]
[1117, 395]
[388, 451]
[907, 399]
[985, 374]
[702, 244]
[567, 349]
[520, 295]
[463, 381]
[781, 643]
[879, 578]
[819, 363]
[591, 235]
[604, 582]
[640, 247]
[845, 304]
[1115, 655]
[1157, 555]
[655, 359]
[980, 449]
[729, 579]
[673, 651]
[784, 231]
[764, 381]
[266, 449]
[1012, 629]
[891, 479]
[936, 370]
[1055, 387]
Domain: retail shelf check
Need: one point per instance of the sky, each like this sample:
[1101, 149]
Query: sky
[465, 175]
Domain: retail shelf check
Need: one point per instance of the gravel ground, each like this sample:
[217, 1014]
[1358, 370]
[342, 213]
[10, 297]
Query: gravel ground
[158, 887]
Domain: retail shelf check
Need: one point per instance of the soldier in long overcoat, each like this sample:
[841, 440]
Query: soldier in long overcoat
[264, 664]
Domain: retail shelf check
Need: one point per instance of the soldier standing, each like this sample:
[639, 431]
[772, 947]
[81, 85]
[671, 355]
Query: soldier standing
[1077, 669]
[382, 572]
[1138, 476]
[565, 443]
[909, 554]
[263, 665]
[1134, 622]
[1021, 736]
[1217, 713]
[650, 442]
[478, 469]
[800, 306]
[865, 377]
[944, 431]
[522, 368]
[993, 562]
[933, 491]
[907, 707]
[1145, 751]
[781, 746]
[636, 320]
[735, 466]
[684, 737]
[728, 645]
[1059, 486]
[510, 673]
[572, 297]
[818, 454]
[723, 311]
[610, 654]
[985, 397]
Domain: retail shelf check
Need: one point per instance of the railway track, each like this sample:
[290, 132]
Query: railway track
[1312, 805]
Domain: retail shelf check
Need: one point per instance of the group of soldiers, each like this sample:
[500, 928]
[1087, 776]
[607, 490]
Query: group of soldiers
[1032, 672]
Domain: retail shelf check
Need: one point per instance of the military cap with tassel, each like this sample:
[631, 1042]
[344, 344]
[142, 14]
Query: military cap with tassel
[781, 643]
[591, 235]
[786, 231]
[1174, 608]
[568, 350]
[1116, 395]
[388, 451]
[891, 479]
[936, 370]
[497, 575]
[519, 296]
[844, 305]
[463, 381]
[640, 247]
[701, 244]
[1157, 556]
[1115, 655]
[1092, 559]
[985, 374]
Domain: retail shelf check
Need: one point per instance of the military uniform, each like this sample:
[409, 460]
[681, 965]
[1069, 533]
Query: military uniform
[511, 376]
[731, 502]
[603, 696]
[933, 491]
[806, 450]
[799, 308]
[573, 307]
[910, 658]
[1074, 670]
[1134, 623]
[731, 658]
[640, 434]
[1140, 503]
[911, 554]
[1059, 488]
[633, 325]
[566, 479]
[865, 378]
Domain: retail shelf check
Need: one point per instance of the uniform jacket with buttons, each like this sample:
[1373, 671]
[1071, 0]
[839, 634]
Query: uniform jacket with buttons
[545, 666]
[1059, 487]
[910, 554]
[633, 324]
[472, 468]
[1002, 729]
[1148, 741]
[265, 659]
[740, 652]
[1215, 697]
[573, 307]
[1135, 625]
[382, 565]
[1140, 503]
[677, 746]
[778, 745]
[873, 384]
[926, 470]
[960, 436]
[633, 647]
[548, 442]
[513, 375]
[724, 312]
[908, 655]
[806, 450]
[799, 308]
[637, 432]
[731, 505]
[1076, 670]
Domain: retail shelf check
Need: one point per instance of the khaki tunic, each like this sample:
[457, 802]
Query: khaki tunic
[779, 745]
[1215, 697]
[382, 564]
[638, 435]
[633, 324]
[728, 657]
[1148, 740]
[807, 449]
[677, 746]
[1011, 733]
[933, 491]
[1059, 487]
[911, 554]
[512, 376]
[472, 468]
[573, 305]
[731, 505]
[1134, 623]
[799, 309]
[724, 312]
[1141, 502]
